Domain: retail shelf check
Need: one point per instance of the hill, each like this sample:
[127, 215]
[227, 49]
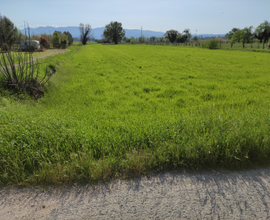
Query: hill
[97, 32]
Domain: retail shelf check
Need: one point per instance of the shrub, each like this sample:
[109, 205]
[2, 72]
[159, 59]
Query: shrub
[211, 44]
[21, 73]
[132, 41]
[128, 40]
[44, 42]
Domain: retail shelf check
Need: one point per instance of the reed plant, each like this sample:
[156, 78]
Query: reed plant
[21, 73]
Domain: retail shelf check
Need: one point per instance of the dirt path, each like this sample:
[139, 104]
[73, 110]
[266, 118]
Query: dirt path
[52, 53]
[204, 195]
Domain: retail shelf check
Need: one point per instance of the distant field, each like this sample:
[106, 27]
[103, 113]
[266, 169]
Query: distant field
[255, 47]
[121, 110]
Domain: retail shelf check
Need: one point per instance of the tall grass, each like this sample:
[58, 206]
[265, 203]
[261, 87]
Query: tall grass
[126, 110]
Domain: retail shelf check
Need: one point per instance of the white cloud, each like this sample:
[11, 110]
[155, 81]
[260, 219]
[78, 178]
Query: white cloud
[36, 26]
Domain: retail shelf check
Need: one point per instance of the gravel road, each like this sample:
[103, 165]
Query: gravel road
[184, 195]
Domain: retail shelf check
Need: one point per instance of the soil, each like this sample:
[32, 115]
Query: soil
[186, 195]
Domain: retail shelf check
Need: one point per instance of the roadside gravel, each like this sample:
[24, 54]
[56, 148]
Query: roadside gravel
[185, 195]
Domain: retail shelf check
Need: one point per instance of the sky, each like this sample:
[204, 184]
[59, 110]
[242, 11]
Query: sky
[200, 16]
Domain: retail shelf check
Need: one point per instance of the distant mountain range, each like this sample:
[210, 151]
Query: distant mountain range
[97, 32]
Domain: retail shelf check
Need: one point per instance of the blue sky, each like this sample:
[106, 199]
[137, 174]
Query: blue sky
[205, 16]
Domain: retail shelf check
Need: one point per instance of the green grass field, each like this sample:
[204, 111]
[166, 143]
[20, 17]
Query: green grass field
[123, 110]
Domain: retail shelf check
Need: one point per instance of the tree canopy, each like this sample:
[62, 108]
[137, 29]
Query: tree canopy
[188, 34]
[242, 35]
[231, 33]
[262, 32]
[195, 38]
[114, 32]
[181, 38]
[171, 35]
[56, 39]
[64, 39]
[44, 42]
[9, 34]
[70, 38]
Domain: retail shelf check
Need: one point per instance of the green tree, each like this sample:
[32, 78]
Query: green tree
[153, 38]
[132, 41]
[161, 39]
[142, 39]
[195, 38]
[86, 33]
[181, 38]
[9, 34]
[246, 35]
[187, 32]
[236, 38]
[114, 31]
[64, 40]
[70, 38]
[171, 35]
[243, 35]
[56, 39]
[231, 33]
[262, 32]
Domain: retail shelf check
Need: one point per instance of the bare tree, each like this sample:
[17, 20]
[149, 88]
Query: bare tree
[86, 33]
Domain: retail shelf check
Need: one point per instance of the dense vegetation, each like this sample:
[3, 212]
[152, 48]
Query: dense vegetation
[120, 110]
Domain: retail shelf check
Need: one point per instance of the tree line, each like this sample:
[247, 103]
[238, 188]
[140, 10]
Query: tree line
[114, 33]
[10, 36]
[249, 34]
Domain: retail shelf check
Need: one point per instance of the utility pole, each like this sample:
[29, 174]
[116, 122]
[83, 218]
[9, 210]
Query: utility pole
[141, 32]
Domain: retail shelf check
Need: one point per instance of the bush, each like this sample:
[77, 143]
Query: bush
[128, 40]
[211, 44]
[132, 41]
[21, 73]
[44, 42]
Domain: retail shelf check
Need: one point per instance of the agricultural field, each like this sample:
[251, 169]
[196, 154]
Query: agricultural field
[225, 45]
[125, 110]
